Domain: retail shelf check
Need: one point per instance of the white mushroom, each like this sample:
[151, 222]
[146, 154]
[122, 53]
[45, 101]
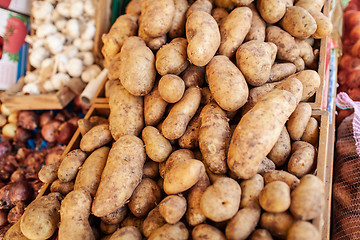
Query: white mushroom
[89, 8]
[90, 73]
[72, 28]
[45, 29]
[37, 55]
[48, 86]
[63, 8]
[59, 80]
[31, 88]
[70, 51]
[55, 42]
[62, 61]
[89, 31]
[60, 24]
[31, 77]
[74, 67]
[87, 58]
[76, 9]
[41, 9]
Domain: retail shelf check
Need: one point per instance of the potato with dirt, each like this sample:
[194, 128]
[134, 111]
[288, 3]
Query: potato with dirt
[279, 71]
[311, 133]
[271, 11]
[275, 197]
[298, 121]
[153, 221]
[324, 24]
[227, 84]
[123, 172]
[14, 232]
[190, 139]
[199, 5]
[173, 208]
[233, 30]
[178, 25]
[281, 151]
[193, 76]
[278, 175]
[171, 88]
[70, 165]
[206, 231]
[303, 158]
[157, 147]
[258, 26]
[96, 137]
[298, 22]
[278, 224]
[219, 14]
[154, 107]
[302, 230]
[250, 191]
[62, 187]
[126, 233]
[199, 26]
[254, 139]
[170, 231]
[115, 217]
[261, 234]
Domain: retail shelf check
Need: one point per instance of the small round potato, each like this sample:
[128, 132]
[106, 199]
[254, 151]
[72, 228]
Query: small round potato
[275, 197]
[265, 165]
[108, 228]
[176, 157]
[261, 234]
[298, 22]
[303, 159]
[202, 230]
[171, 88]
[302, 230]
[278, 224]
[151, 169]
[157, 147]
[62, 187]
[251, 190]
[221, 200]
[173, 208]
[271, 10]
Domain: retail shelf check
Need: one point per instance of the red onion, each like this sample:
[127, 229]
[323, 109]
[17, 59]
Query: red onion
[49, 129]
[18, 175]
[22, 135]
[5, 202]
[5, 148]
[3, 217]
[65, 132]
[28, 120]
[45, 117]
[20, 192]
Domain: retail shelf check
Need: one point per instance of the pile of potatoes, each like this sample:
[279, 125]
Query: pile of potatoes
[209, 136]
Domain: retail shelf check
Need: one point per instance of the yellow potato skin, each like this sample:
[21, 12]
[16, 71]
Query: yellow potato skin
[178, 25]
[154, 107]
[157, 147]
[207, 230]
[271, 10]
[298, 121]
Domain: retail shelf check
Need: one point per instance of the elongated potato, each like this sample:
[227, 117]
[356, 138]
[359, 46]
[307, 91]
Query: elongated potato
[199, 26]
[303, 159]
[48, 173]
[271, 10]
[251, 189]
[281, 151]
[126, 233]
[176, 157]
[153, 221]
[258, 26]
[234, 29]
[183, 176]
[126, 113]
[298, 22]
[174, 125]
[261, 234]
[136, 68]
[171, 88]
[219, 14]
[178, 25]
[243, 223]
[253, 140]
[311, 5]
[298, 121]
[193, 76]
[14, 232]
[275, 197]
[144, 198]
[171, 58]
[190, 139]
[324, 25]
[199, 5]
[280, 71]
[157, 147]
[221, 200]
[287, 48]
[227, 84]
[41, 218]
[302, 230]
[89, 175]
[74, 215]
[70, 165]
[96, 137]
[115, 217]
[213, 137]
[154, 107]
[62, 187]
[157, 17]
[170, 231]
[205, 231]
[311, 133]
[311, 82]
[123, 171]
[278, 224]
[256, 67]
[173, 208]
[308, 198]
[277, 175]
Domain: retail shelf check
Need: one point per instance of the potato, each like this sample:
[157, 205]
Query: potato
[199, 5]
[219, 14]
[41, 218]
[213, 136]
[126, 233]
[178, 25]
[306, 53]
[74, 215]
[193, 76]
[275, 197]
[116, 217]
[190, 139]
[154, 43]
[281, 151]
[324, 25]
[121, 175]
[62, 187]
[174, 125]
[157, 147]
[108, 228]
[206, 96]
[280, 71]
[71, 163]
[277, 175]
[254, 139]
[173, 208]
[278, 224]
[154, 107]
[170, 231]
[144, 198]
[271, 10]
[14, 232]
[124, 27]
[151, 169]
[194, 214]
[205, 231]
[311, 133]
[176, 157]
[136, 68]
[157, 17]
[298, 121]
[308, 198]
[227, 84]
[312, 5]
[48, 173]
[221, 200]
[183, 176]
[311, 82]
[153, 221]
[90, 173]
[261, 234]
[258, 26]
[298, 22]
[234, 29]
[227, 4]
[251, 189]
[133, 7]
[287, 48]
[243, 223]
[302, 230]
[256, 67]
[199, 26]
[242, 2]
[266, 164]
[96, 137]
[303, 159]
[171, 58]
[171, 88]
[126, 113]
[133, 221]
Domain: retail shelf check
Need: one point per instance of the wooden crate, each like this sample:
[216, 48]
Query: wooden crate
[14, 100]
